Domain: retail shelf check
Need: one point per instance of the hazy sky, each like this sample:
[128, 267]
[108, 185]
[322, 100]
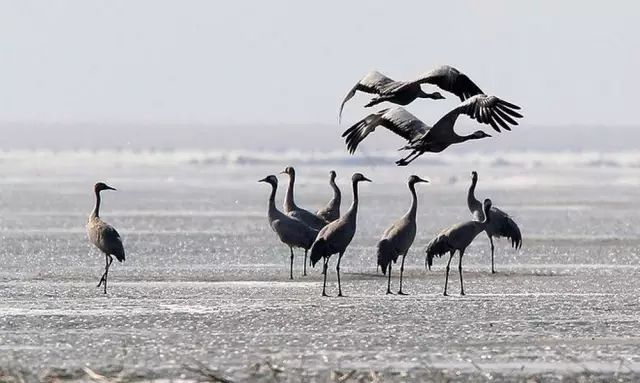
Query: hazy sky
[237, 62]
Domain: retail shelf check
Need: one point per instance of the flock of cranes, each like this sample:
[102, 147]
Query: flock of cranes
[421, 137]
[328, 232]
[336, 234]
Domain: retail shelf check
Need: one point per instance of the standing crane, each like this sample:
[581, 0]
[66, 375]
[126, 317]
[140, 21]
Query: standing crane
[501, 224]
[293, 210]
[398, 238]
[422, 138]
[291, 231]
[336, 236]
[457, 237]
[331, 211]
[104, 236]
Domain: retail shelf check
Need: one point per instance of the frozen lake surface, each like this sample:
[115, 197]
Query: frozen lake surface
[206, 281]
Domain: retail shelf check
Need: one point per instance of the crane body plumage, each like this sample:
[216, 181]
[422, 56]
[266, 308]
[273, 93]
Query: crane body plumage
[398, 238]
[423, 138]
[456, 238]
[291, 231]
[337, 235]
[331, 211]
[104, 236]
[501, 224]
[293, 210]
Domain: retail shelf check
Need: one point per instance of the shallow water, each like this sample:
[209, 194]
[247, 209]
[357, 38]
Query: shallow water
[205, 279]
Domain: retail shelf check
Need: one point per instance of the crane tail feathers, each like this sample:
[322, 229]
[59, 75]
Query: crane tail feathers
[436, 248]
[319, 250]
[120, 256]
[385, 255]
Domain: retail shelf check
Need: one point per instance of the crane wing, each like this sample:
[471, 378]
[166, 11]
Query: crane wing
[111, 243]
[505, 226]
[294, 232]
[451, 80]
[485, 109]
[373, 82]
[397, 120]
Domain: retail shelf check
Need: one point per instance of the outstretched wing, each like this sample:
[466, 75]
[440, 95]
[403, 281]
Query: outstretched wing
[505, 226]
[373, 82]
[397, 120]
[452, 80]
[485, 109]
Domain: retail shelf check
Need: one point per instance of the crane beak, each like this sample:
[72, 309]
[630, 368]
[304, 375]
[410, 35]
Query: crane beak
[283, 172]
[110, 188]
[423, 180]
[366, 179]
[263, 180]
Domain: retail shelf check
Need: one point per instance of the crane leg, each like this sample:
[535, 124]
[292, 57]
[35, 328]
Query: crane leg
[461, 253]
[406, 161]
[291, 265]
[324, 271]
[389, 280]
[103, 280]
[304, 273]
[402, 272]
[446, 276]
[493, 270]
[338, 272]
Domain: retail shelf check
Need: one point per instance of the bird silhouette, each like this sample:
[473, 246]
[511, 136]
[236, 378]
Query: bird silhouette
[457, 237]
[331, 211]
[291, 231]
[501, 224]
[104, 236]
[404, 92]
[398, 238]
[422, 138]
[336, 236]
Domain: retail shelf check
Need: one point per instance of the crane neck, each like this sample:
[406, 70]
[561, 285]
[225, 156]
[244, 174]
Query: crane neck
[353, 209]
[289, 203]
[414, 202]
[486, 210]
[96, 210]
[466, 138]
[272, 210]
[472, 202]
[337, 195]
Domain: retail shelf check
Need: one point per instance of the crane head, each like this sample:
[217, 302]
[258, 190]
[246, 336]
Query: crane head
[414, 179]
[487, 206]
[332, 175]
[474, 175]
[433, 96]
[270, 179]
[358, 177]
[100, 186]
[480, 134]
[289, 170]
